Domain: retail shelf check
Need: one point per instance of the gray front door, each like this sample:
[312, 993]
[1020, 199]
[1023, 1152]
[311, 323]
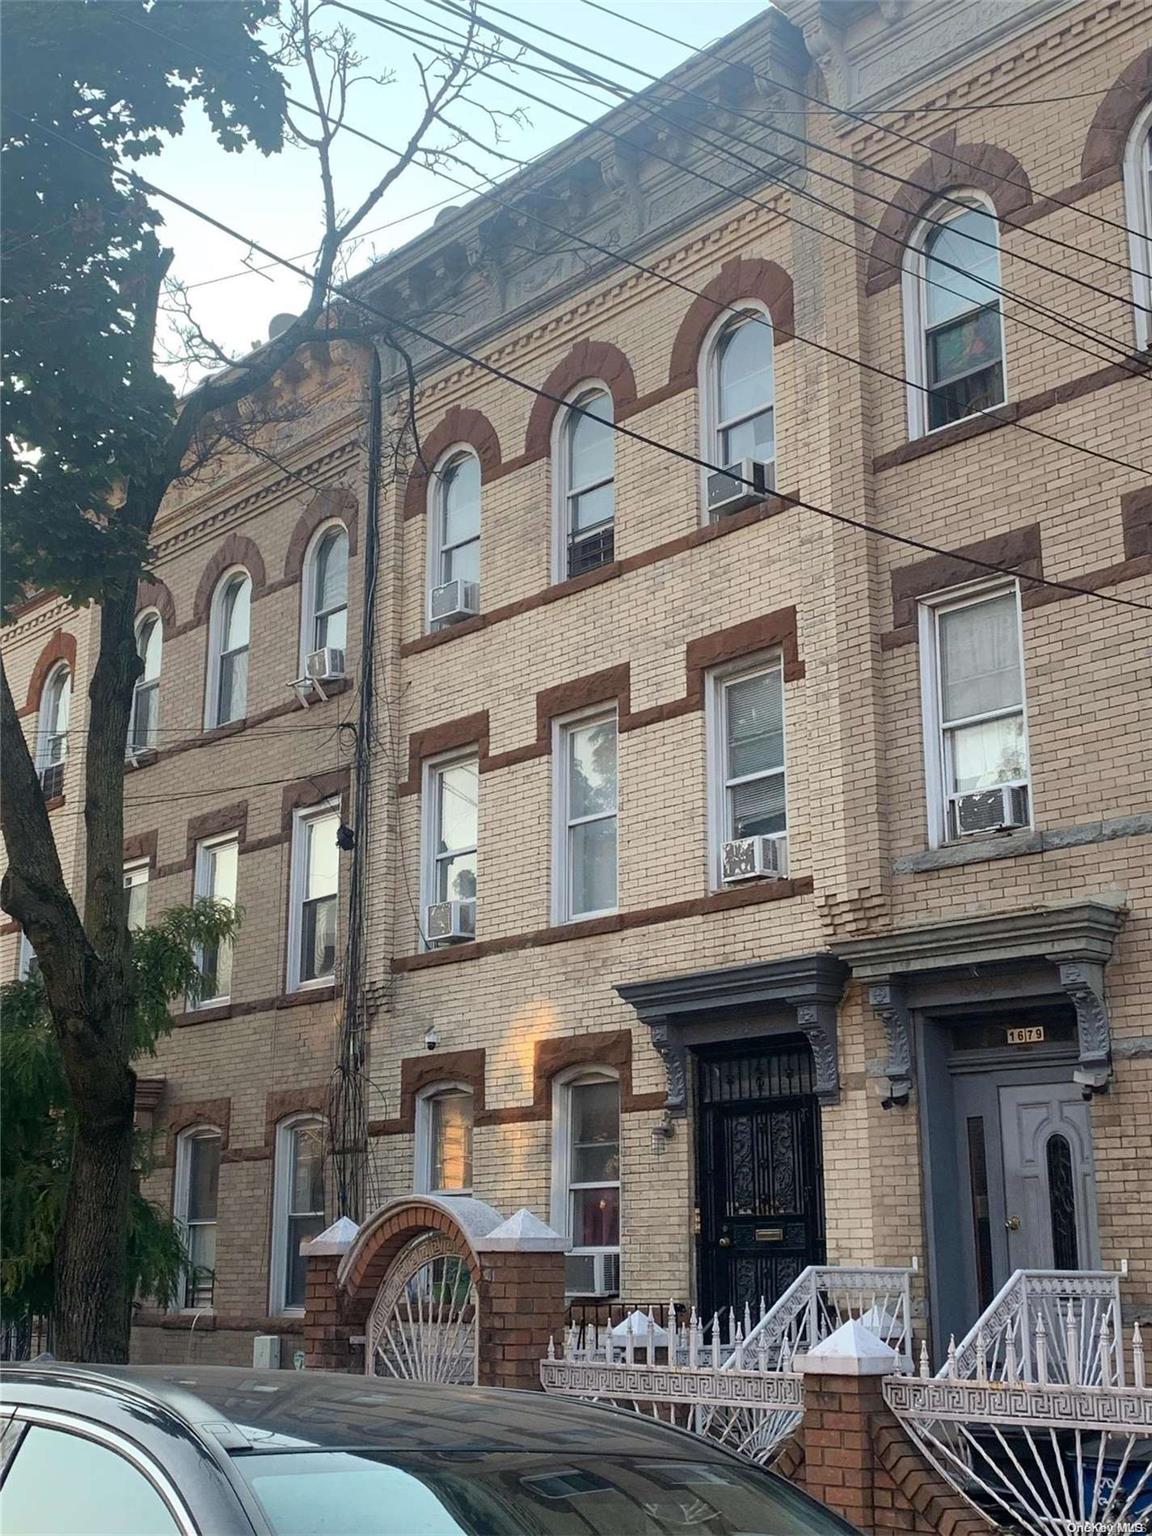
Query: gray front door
[1049, 1177]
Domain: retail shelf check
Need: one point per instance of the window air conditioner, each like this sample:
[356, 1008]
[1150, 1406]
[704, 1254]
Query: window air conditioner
[754, 858]
[454, 601]
[325, 665]
[52, 780]
[450, 922]
[739, 485]
[989, 810]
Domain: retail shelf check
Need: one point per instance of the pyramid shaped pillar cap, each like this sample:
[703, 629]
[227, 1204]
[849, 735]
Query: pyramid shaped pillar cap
[852, 1350]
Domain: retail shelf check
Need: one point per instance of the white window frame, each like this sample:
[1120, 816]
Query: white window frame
[430, 826]
[561, 823]
[931, 714]
[301, 818]
[281, 1194]
[562, 490]
[914, 300]
[44, 736]
[716, 721]
[435, 518]
[215, 656]
[180, 1191]
[1138, 207]
[204, 851]
[708, 388]
[25, 957]
[560, 1199]
[138, 873]
[422, 1162]
[143, 684]
[310, 612]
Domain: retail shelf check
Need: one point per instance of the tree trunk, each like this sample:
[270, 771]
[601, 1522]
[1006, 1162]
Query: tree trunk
[92, 1307]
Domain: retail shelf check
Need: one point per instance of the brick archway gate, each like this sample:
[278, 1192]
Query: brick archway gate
[435, 1288]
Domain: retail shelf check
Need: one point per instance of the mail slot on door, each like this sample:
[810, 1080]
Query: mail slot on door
[768, 1234]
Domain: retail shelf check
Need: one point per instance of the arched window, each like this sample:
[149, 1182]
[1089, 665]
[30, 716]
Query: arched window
[194, 1207]
[953, 327]
[586, 1178]
[52, 732]
[298, 1207]
[444, 1116]
[326, 591]
[738, 391]
[229, 630]
[454, 576]
[1138, 202]
[142, 732]
[584, 479]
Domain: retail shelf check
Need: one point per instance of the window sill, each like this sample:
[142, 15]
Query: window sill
[1010, 845]
[54, 802]
[946, 437]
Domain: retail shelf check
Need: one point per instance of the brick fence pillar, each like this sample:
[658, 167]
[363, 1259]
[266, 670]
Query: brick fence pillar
[327, 1333]
[520, 1299]
[857, 1456]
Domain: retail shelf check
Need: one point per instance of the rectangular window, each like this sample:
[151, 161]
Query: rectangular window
[584, 883]
[136, 884]
[747, 780]
[450, 1134]
[197, 1192]
[217, 867]
[299, 1214]
[976, 742]
[451, 830]
[315, 897]
[593, 1186]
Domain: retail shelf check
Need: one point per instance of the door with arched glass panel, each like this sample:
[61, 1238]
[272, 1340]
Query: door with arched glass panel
[1049, 1177]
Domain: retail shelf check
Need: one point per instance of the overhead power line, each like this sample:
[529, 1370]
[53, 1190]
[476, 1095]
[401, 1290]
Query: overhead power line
[506, 376]
[855, 161]
[1119, 350]
[860, 117]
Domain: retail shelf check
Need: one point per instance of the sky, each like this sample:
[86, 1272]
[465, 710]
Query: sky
[276, 200]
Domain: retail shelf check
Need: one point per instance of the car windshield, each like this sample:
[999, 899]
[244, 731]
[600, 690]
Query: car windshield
[486, 1493]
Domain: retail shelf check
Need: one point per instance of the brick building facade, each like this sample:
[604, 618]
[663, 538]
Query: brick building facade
[905, 1036]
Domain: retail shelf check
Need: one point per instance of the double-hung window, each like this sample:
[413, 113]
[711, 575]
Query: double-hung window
[975, 732]
[747, 779]
[229, 634]
[143, 734]
[584, 862]
[52, 735]
[585, 474]
[312, 920]
[197, 1191]
[955, 335]
[455, 555]
[326, 591]
[217, 868]
[136, 886]
[739, 392]
[1138, 205]
[444, 1118]
[298, 1210]
[586, 1180]
[451, 830]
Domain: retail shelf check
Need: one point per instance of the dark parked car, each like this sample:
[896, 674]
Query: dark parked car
[221, 1451]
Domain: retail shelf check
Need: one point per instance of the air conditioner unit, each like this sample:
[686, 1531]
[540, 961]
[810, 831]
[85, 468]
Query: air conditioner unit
[325, 665]
[990, 810]
[739, 485]
[454, 601]
[754, 858]
[52, 780]
[450, 922]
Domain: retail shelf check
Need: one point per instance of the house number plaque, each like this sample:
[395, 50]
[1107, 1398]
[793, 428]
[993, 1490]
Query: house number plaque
[1031, 1034]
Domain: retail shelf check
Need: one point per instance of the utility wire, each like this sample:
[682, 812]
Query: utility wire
[754, 317]
[495, 371]
[856, 162]
[860, 117]
[1120, 349]
[624, 94]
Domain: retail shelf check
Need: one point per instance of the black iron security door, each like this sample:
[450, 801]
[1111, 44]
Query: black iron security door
[760, 1175]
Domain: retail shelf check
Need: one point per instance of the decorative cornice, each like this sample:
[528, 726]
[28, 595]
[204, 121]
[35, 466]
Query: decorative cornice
[1074, 930]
